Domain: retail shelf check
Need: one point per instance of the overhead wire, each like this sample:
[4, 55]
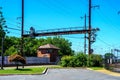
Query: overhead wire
[115, 10]
[113, 7]
[53, 7]
[108, 20]
[104, 42]
[60, 7]
[114, 29]
[68, 9]
[63, 10]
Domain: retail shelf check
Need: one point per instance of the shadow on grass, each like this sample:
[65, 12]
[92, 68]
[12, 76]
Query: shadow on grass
[24, 69]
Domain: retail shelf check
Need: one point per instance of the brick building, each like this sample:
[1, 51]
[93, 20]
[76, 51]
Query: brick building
[50, 51]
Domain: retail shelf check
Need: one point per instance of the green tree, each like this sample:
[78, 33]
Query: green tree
[62, 43]
[31, 45]
[12, 45]
[109, 55]
[2, 23]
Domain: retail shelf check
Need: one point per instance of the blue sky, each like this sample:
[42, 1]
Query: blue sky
[52, 14]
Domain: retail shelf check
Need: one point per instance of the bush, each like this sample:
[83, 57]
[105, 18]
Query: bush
[94, 60]
[82, 60]
[66, 61]
[79, 60]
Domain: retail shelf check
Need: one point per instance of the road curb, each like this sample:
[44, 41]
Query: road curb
[89, 69]
[45, 71]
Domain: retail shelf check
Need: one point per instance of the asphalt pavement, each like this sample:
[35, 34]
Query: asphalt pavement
[64, 74]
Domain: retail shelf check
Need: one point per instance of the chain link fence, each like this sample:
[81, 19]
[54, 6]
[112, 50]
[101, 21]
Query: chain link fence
[112, 62]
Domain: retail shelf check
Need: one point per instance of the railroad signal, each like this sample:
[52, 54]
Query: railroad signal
[32, 32]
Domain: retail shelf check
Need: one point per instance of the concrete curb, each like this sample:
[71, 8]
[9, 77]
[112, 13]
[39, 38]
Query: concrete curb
[106, 72]
[89, 69]
[45, 71]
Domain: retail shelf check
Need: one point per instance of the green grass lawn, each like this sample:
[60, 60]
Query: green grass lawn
[96, 68]
[36, 70]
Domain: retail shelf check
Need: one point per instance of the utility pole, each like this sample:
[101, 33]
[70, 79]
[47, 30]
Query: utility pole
[85, 37]
[89, 34]
[85, 28]
[22, 28]
[2, 48]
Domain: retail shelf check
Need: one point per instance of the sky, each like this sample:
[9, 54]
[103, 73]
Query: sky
[54, 14]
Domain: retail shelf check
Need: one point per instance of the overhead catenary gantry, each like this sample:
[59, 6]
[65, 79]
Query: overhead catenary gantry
[74, 30]
[53, 32]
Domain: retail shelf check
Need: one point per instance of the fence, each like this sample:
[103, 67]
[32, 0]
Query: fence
[29, 60]
[112, 63]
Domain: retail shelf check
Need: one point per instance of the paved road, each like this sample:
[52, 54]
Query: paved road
[63, 74]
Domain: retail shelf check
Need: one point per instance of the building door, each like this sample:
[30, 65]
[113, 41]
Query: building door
[52, 57]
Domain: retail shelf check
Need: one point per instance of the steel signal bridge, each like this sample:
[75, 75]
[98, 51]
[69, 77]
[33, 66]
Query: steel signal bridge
[53, 32]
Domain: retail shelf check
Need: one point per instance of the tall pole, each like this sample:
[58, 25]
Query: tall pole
[22, 27]
[89, 34]
[85, 37]
[22, 30]
[2, 48]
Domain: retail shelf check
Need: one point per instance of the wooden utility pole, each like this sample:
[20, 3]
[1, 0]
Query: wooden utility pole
[2, 53]
[22, 28]
[89, 33]
[85, 37]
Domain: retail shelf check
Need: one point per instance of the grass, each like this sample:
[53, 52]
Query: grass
[55, 67]
[96, 68]
[36, 70]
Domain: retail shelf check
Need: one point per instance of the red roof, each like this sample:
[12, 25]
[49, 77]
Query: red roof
[48, 46]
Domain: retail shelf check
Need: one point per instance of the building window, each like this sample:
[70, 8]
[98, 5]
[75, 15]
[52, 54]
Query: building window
[48, 51]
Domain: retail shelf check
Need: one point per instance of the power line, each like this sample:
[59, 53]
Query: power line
[74, 37]
[105, 18]
[11, 32]
[53, 7]
[111, 5]
[67, 8]
[104, 42]
[18, 24]
[12, 24]
[58, 6]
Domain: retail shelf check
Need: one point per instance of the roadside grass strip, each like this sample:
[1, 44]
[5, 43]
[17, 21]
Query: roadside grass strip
[24, 71]
[103, 70]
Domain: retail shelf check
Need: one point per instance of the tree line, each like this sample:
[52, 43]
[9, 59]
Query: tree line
[30, 46]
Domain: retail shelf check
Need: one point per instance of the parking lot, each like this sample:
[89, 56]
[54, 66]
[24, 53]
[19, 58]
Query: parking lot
[63, 74]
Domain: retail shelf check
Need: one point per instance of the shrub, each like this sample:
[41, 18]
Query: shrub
[66, 61]
[79, 60]
[82, 60]
[94, 60]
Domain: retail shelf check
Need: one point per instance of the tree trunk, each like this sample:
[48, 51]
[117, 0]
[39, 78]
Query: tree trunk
[17, 66]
